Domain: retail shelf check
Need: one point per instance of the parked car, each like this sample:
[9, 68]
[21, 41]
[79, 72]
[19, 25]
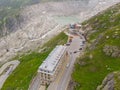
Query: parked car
[81, 45]
[67, 65]
[80, 49]
[68, 44]
[75, 52]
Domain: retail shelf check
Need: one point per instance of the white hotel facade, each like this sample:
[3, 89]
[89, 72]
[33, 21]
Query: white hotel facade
[51, 66]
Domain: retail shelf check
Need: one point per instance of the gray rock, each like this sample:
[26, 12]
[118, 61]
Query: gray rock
[113, 51]
[82, 63]
[108, 83]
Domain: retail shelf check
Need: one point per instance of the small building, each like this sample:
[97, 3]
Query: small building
[51, 66]
[74, 28]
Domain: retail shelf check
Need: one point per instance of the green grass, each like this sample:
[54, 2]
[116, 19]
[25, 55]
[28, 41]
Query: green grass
[117, 80]
[21, 77]
[104, 21]
[90, 75]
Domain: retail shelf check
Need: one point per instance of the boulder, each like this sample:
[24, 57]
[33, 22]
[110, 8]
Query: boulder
[108, 83]
[113, 51]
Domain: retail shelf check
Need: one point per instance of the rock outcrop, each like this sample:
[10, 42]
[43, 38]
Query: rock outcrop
[37, 24]
[113, 51]
[111, 82]
[108, 83]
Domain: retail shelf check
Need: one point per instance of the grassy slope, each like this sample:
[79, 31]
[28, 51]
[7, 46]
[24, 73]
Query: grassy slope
[90, 75]
[117, 80]
[21, 77]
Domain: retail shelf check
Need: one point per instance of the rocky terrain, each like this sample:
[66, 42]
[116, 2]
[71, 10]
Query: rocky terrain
[112, 51]
[36, 24]
[110, 82]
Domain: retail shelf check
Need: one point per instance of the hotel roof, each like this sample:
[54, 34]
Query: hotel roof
[51, 62]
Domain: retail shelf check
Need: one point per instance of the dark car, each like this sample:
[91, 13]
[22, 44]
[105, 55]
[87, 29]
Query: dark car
[68, 44]
[75, 52]
[80, 49]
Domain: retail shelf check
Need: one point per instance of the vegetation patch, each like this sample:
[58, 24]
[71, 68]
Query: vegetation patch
[91, 69]
[117, 80]
[27, 69]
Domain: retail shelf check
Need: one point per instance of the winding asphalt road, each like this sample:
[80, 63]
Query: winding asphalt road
[6, 70]
[65, 77]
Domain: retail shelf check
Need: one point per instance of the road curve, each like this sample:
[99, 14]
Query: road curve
[63, 82]
[6, 70]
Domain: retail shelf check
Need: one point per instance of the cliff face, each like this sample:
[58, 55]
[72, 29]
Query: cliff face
[37, 23]
[11, 19]
[9, 14]
[31, 27]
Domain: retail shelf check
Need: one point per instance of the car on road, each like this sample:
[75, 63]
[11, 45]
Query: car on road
[80, 49]
[81, 45]
[67, 65]
[75, 52]
[68, 44]
[83, 42]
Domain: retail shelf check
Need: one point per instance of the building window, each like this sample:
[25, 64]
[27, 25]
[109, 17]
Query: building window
[49, 77]
[41, 74]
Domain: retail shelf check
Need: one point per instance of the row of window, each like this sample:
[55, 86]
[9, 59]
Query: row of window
[42, 75]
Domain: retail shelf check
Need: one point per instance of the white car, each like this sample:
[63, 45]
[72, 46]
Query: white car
[67, 65]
